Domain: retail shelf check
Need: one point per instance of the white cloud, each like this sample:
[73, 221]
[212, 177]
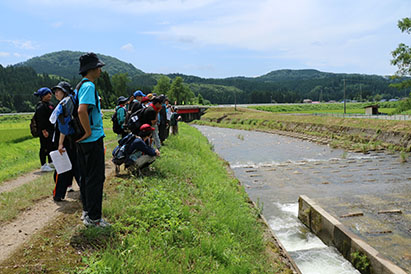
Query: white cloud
[22, 44]
[128, 47]
[4, 54]
[130, 6]
[57, 25]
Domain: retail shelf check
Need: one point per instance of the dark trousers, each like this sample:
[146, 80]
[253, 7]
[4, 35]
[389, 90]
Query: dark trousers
[162, 132]
[65, 179]
[92, 176]
[46, 146]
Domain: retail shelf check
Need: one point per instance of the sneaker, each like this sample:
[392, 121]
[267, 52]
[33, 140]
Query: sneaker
[57, 199]
[95, 223]
[83, 215]
[51, 165]
[70, 189]
[46, 168]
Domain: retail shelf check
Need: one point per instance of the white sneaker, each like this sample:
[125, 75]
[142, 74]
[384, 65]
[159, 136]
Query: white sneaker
[95, 223]
[46, 168]
[83, 215]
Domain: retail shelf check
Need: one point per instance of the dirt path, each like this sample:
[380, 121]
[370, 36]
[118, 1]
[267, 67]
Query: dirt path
[24, 179]
[13, 234]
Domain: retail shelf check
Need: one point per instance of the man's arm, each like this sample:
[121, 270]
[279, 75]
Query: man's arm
[84, 120]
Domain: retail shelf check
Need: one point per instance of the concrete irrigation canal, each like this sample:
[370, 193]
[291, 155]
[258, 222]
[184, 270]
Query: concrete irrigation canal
[368, 193]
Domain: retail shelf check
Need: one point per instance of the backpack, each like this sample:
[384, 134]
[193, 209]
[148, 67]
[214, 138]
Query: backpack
[119, 153]
[74, 123]
[33, 127]
[116, 125]
[133, 123]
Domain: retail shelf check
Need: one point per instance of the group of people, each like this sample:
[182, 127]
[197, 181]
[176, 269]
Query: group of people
[75, 127]
[143, 123]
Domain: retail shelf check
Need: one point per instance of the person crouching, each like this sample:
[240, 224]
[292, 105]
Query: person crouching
[141, 153]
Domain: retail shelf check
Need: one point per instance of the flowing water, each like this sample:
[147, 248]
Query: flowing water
[276, 170]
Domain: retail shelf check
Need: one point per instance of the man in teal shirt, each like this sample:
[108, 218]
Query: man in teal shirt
[91, 145]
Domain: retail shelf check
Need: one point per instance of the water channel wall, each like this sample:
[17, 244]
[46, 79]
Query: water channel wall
[365, 258]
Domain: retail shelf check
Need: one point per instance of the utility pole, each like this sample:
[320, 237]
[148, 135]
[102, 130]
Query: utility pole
[344, 98]
[235, 101]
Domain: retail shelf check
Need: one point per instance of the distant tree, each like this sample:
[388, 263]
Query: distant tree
[402, 59]
[105, 89]
[119, 82]
[200, 99]
[163, 85]
[402, 55]
[179, 92]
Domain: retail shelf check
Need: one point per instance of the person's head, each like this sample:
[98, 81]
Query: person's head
[44, 94]
[122, 100]
[138, 94]
[146, 131]
[90, 66]
[167, 102]
[61, 90]
[130, 98]
[157, 102]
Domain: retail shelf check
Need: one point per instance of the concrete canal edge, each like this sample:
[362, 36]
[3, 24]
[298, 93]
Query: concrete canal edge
[365, 258]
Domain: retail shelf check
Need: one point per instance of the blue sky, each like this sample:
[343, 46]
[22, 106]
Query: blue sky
[211, 38]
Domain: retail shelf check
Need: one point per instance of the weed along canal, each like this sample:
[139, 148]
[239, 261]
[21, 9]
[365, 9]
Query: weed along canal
[370, 194]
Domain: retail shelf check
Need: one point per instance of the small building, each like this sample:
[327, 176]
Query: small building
[307, 101]
[371, 110]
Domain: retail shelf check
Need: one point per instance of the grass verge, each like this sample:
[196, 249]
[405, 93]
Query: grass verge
[188, 215]
[348, 133]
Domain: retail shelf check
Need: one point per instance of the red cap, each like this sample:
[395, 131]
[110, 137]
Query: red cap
[146, 127]
[145, 99]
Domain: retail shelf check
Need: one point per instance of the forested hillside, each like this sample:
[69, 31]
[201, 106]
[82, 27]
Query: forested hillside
[17, 84]
[66, 64]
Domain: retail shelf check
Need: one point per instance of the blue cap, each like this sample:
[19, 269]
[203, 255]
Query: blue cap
[42, 91]
[138, 93]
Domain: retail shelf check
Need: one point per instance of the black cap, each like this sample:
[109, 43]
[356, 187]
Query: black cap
[89, 61]
[64, 86]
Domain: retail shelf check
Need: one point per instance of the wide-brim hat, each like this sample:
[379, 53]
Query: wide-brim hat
[64, 86]
[122, 99]
[89, 61]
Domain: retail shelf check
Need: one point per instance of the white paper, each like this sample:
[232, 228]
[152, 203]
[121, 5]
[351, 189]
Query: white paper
[61, 162]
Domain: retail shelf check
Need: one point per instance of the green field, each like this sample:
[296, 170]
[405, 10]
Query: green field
[351, 108]
[19, 151]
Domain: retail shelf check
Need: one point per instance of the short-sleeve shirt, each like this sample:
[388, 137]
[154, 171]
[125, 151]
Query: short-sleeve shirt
[86, 95]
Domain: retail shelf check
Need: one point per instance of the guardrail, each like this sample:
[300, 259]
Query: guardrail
[364, 116]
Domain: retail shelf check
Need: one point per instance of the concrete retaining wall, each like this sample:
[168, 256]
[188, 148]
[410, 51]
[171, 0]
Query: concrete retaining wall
[332, 232]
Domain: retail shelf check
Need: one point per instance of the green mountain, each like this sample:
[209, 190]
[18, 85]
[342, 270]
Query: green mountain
[66, 64]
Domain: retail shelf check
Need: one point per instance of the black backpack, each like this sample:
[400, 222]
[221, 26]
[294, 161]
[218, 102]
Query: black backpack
[116, 125]
[75, 121]
[134, 122]
[33, 127]
[120, 152]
